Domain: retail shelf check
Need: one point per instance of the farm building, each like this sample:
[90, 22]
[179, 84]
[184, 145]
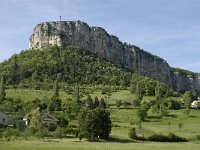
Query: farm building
[4, 118]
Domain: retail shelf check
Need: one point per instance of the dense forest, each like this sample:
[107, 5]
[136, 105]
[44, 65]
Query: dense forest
[70, 65]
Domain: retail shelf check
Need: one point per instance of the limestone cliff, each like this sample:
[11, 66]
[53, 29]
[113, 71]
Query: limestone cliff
[98, 41]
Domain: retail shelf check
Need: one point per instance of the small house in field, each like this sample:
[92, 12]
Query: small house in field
[47, 118]
[4, 118]
[196, 103]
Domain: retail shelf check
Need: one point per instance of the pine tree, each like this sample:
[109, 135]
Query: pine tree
[56, 89]
[2, 90]
[157, 92]
[138, 95]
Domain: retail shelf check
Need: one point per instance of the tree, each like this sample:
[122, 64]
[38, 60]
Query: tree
[132, 133]
[2, 90]
[187, 98]
[158, 92]
[138, 96]
[36, 119]
[41, 133]
[89, 102]
[56, 89]
[94, 124]
[180, 126]
[55, 104]
[71, 108]
[142, 111]
[59, 132]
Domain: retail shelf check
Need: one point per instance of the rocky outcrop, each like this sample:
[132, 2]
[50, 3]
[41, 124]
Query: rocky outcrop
[98, 41]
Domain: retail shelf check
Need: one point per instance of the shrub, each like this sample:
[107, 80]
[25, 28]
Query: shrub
[126, 104]
[132, 134]
[20, 125]
[166, 138]
[198, 137]
[51, 127]
[175, 104]
[118, 103]
[142, 111]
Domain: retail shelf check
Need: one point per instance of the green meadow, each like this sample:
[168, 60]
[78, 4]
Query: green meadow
[123, 119]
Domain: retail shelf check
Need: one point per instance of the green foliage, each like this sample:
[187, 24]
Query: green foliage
[56, 89]
[2, 90]
[62, 120]
[164, 110]
[118, 103]
[41, 133]
[180, 126]
[163, 138]
[59, 133]
[20, 125]
[132, 134]
[9, 133]
[174, 104]
[42, 69]
[55, 104]
[187, 98]
[187, 112]
[94, 124]
[142, 111]
[36, 119]
[138, 96]
[71, 108]
[12, 105]
[51, 127]
[184, 72]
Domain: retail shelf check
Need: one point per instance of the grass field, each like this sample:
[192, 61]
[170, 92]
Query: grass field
[75, 144]
[123, 119]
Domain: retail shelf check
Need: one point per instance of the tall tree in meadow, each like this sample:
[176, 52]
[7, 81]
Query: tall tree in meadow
[56, 89]
[187, 99]
[138, 95]
[2, 90]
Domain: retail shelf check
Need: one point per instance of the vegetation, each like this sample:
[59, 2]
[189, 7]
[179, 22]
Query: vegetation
[94, 121]
[163, 138]
[2, 90]
[69, 65]
[89, 97]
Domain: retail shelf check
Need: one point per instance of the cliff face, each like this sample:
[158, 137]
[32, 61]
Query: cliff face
[98, 41]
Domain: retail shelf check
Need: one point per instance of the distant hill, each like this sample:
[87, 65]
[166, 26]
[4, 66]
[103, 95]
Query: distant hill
[97, 41]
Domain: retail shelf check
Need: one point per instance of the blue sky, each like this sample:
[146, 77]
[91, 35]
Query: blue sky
[167, 28]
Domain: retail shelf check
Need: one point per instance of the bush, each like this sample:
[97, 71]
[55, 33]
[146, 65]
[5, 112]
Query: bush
[118, 103]
[164, 138]
[126, 104]
[132, 134]
[20, 125]
[142, 111]
[198, 137]
[175, 104]
[51, 127]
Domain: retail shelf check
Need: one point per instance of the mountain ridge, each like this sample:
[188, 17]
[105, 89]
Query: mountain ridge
[127, 56]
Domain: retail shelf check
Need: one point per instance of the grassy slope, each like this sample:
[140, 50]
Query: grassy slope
[121, 119]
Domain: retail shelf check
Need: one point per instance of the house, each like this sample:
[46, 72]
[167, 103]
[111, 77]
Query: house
[4, 118]
[195, 103]
[47, 118]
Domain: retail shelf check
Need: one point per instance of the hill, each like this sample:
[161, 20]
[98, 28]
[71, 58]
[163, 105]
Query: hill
[123, 55]
[71, 65]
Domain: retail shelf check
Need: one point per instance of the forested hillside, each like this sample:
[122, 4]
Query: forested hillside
[39, 69]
